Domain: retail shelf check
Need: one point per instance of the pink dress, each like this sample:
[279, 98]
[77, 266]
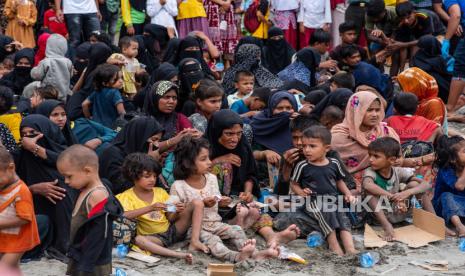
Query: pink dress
[222, 28]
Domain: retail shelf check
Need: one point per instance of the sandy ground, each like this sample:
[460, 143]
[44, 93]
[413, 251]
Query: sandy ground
[394, 260]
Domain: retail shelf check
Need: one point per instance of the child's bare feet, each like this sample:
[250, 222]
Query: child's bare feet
[270, 252]
[289, 234]
[388, 232]
[252, 217]
[352, 251]
[241, 214]
[198, 246]
[186, 256]
[450, 232]
[247, 250]
[461, 231]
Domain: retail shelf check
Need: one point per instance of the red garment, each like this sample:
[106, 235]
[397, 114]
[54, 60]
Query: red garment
[291, 36]
[334, 3]
[304, 38]
[412, 127]
[42, 45]
[51, 22]
[182, 123]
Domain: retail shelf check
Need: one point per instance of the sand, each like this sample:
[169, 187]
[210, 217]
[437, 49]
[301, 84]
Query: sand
[394, 260]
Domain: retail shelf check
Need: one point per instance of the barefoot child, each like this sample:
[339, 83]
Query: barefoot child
[322, 176]
[91, 234]
[18, 226]
[156, 228]
[382, 179]
[449, 192]
[194, 181]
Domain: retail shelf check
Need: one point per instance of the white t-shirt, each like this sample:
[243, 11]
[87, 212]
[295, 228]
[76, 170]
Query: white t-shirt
[79, 6]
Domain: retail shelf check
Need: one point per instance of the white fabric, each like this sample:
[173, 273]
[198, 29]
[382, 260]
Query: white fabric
[162, 15]
[314, 13]
[79, 6]
[286, 5]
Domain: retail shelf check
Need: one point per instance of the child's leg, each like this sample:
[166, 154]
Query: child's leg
[192, 215]
[459, 225]
[333, 244]
[348, 242]
[155, 246]
[241, 213]
[381, 217]
[220, 251]
[11, 259]
[403, 54]
[395, 57]
[264, 227]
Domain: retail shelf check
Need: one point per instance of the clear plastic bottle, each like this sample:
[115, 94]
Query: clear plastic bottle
[314, 239]
[121, 251]
[462, 244]
[120, 272]
[369, 259]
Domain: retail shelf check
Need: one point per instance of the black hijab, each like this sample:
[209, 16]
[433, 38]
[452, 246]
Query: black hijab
[4, 41]
[273, 131]
[429, 59]
[278, 53]
[152, 45]
[133, 137]
[311, 59]
[46, 108]
[338, 97]
[182, 54]
[189, 76]
[20, 77]
[315, 96]
[171, 49]
[98, 54]
[297, 85]
[221, 120]
[82, 52]
[152, 99]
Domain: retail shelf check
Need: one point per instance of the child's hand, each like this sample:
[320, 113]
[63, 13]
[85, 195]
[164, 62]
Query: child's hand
[158, 206]
[307, 191]
[272, 157]
[349, 198]
[224, 201]
[301, 28]
[401, 207]
[209, 201]
[291, 156]
[246, 196]
[180, 207]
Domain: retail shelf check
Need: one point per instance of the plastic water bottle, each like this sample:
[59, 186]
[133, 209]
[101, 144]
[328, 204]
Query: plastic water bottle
[369, 259]
[419, 176]
[462, 244]
[121, 251]
[314, 239]
[120, 272]
[171, 208]
[415, 203]
[264, 194]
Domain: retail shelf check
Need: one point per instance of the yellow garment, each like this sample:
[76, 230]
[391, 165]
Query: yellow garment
[126, 13]
[25, 11]
[262, 31]
[191, 9]
[129, 73]
[12, 122]
[390, 2]
[151, 223]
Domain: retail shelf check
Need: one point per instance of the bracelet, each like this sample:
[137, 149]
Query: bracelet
[168, 144]
[36, 150]
[422, 161]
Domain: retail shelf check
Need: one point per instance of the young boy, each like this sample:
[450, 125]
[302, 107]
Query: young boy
[348, 34]
[322, 176]
[250, 106]
[157, 228]
[55, 69]
[350, 58]
[244, 82]
[52, 22]
[313, 15]
[18, 226]
[381, 24]
[91, 233]
[382, 183]
[409, 126]
[342, 79]
[129, 50]
[331, 116]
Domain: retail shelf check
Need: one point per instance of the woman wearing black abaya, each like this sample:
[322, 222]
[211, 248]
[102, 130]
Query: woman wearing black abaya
[171, 49]
[190, 47]
[55, 111]
[4, 41]
[99, 53]
[429, 59]
[21, 74]
[152, 45]
[338, 98]
[141, 134]
[42, 142]
[190, 74]
[277, 51]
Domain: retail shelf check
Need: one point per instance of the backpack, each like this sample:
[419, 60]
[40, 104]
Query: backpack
[251, 22]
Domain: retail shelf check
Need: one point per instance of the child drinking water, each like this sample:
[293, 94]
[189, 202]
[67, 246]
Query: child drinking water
[382, 179]
[194, 181]
[91, 234]
[106, 101]
[157, 226]
[18, 226]
[322, 176]
[449, 192]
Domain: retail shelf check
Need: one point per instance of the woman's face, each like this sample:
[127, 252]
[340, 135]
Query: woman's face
[231, 136]
[283, 106]
[168, 102]
[373, 115]
[58, 116]
[23, 62]
[29, 132]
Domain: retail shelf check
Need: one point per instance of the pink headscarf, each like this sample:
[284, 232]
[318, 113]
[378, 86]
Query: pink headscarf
[349, 140]
[42, 44]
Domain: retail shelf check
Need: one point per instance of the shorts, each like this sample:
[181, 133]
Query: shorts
[459, 55]
[170, 237]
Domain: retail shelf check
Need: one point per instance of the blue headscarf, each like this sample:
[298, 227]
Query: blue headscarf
[367, 74]
[273, 131]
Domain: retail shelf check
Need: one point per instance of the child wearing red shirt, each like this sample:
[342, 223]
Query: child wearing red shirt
[52, 23]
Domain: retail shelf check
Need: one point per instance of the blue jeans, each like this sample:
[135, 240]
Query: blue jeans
[78, 23]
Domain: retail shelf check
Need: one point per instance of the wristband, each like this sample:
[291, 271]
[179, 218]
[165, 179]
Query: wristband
[36, 150]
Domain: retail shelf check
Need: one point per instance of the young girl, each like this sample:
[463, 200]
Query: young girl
[196, 182]
[208, 99]
[107, 103]
[22, 15]
[449, 194]
[191, 17]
